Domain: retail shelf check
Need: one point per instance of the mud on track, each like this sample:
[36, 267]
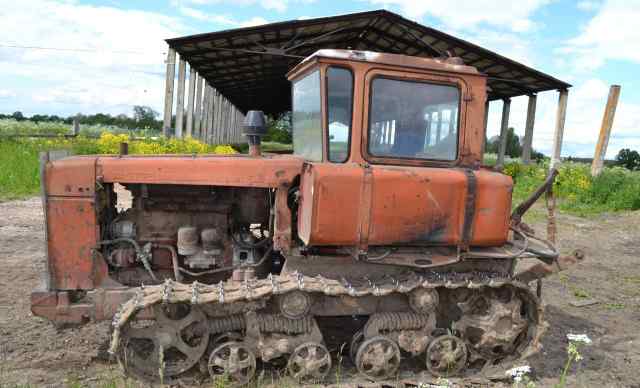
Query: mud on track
[33, 352]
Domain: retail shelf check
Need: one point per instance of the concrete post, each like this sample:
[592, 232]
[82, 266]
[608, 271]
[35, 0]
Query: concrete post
[528, 130]
[504, 126]
[605, 130]
[168, 93]
[205, 113]
[190, 97]
[182, 73]
[211, 109]
[198, 108]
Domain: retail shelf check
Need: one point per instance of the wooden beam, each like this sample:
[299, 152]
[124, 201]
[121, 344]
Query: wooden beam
[182, 73]
[190, 97]
[605, 130]
[528, 130]
[198, 101]
[504, 127]
[559, 131]
[168, 92]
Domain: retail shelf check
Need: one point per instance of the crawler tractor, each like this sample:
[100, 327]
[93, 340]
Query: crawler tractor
[382, 227]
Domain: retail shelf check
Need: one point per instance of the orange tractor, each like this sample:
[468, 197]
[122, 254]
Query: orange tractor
[382, 224]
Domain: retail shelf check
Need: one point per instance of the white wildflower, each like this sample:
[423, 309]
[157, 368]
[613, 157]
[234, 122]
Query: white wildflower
[579, 338]
[518, 372]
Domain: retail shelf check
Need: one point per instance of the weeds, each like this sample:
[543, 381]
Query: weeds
[19, 158]
[581, 293]
[615, 189]
[615, 306]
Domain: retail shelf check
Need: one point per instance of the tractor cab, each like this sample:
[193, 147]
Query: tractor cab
[392, 147]
[355, 106]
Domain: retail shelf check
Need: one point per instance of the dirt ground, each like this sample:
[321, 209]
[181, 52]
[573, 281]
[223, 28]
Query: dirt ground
[34, 353]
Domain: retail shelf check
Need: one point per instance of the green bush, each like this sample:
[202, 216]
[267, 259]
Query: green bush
[615, 189]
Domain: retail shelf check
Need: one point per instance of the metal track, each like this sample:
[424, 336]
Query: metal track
[235, 292]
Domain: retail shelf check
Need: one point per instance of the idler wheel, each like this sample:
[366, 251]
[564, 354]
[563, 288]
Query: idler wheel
[234, 361]
[446, 356]
[294, 304]
[309, 363]
[378, 358]
[177, 338]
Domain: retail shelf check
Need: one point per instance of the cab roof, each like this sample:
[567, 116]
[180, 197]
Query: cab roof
[449, 65]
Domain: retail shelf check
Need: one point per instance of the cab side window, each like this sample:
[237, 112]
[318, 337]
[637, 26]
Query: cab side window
[339, 112]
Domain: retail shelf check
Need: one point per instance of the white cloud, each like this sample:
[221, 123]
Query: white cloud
[513, 15]
[584, 116]
[612, 34]
[226, 20]
[6, 93]
[270, 5]
[588, 6]
[126, 68]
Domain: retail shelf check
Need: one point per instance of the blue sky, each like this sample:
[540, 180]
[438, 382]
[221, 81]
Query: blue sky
[591, 44]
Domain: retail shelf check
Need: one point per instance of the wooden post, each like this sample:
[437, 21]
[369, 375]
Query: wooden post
[182, 73]
[205, 113]
[605, 130]
[559, 131]
[198, 102]
[504, 127]
[555, 161]
[528, 130]
[168, 93]
[190, 97]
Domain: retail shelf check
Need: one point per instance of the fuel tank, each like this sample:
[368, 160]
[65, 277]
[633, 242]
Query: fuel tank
[349, 204]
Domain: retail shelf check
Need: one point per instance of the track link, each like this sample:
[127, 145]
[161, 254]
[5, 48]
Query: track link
[471, 290]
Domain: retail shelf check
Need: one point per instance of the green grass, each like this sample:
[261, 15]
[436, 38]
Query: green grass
[19, 170]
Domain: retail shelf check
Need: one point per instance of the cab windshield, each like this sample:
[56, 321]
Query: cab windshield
[306, 117]
[413, 120]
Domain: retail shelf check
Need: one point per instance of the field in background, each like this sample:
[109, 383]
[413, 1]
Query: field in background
[19, 156]
[616, 189]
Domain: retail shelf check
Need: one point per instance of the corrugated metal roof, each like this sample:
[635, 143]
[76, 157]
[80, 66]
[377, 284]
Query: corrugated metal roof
[248, 65]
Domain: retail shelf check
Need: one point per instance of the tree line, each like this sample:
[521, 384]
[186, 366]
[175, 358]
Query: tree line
[144, 117]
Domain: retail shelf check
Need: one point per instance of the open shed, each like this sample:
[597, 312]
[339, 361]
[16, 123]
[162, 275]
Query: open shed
[233, 71]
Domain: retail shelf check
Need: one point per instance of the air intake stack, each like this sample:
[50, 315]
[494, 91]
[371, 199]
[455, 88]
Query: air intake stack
[255, 127]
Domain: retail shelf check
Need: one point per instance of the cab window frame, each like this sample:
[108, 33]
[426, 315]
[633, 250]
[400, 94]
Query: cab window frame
[429, 79]
[326, 119]
[319, 72]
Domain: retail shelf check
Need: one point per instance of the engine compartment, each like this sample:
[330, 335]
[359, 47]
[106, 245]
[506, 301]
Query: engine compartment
[176, 231]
